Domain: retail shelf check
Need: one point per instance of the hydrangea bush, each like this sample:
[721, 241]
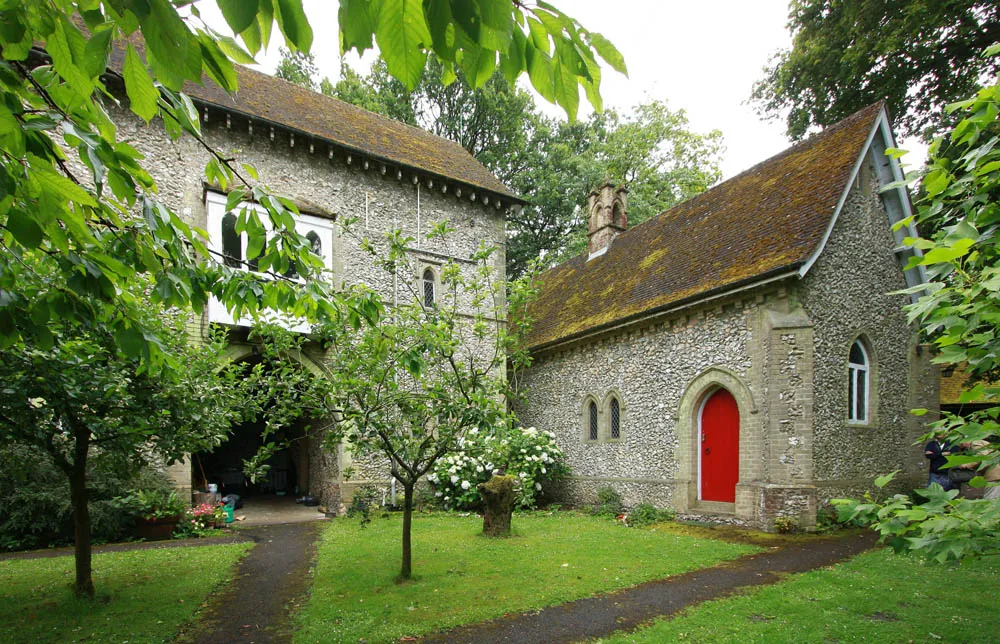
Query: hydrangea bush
[530, 455]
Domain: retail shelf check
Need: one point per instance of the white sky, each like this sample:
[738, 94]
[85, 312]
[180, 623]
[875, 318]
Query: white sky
[702, 56]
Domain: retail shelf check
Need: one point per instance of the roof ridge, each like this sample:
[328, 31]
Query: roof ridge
[352, 106]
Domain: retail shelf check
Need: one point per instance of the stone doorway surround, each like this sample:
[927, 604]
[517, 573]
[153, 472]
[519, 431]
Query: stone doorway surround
[687, 428]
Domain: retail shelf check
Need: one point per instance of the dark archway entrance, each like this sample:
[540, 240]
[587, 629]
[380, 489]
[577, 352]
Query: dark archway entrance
[224, 466]
[719, 454]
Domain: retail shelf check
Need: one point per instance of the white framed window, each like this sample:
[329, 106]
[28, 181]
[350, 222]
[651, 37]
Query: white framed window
[429, 288]
[230, 247]
[858, 384]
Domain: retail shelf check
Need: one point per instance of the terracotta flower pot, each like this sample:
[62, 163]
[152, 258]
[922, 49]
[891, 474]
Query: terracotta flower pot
[156, 529]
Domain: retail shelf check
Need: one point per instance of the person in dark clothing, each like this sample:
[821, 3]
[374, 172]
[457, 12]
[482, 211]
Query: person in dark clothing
[937, 451]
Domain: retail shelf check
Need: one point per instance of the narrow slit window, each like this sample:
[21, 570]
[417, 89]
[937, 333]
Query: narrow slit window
[232, 245]
[429, 295]
[858, 384]
[592, 428]
[616, 419]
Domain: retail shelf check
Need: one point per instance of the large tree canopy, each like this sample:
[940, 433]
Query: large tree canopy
[918, 55]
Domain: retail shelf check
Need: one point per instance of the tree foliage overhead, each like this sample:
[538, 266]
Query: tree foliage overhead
[918, 55]
[960, 315]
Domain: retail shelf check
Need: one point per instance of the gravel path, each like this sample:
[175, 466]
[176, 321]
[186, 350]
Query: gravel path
[628, 609]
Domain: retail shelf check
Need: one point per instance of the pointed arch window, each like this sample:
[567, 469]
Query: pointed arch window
[429, 289]
[858, 384]
[592, 421]
[232, 245]
[615, 420]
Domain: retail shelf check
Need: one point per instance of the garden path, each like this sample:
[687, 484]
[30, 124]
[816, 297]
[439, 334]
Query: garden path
[628, 609]
[256, 607]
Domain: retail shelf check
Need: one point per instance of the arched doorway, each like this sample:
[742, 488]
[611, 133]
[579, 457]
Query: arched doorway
[719, 447]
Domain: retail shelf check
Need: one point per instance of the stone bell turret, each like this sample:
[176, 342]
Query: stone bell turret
[607, 208]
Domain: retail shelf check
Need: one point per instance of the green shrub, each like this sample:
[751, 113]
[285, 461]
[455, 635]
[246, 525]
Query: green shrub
[364, 502]
[35, 508]
[646, 514]
[786, 525]
[609, 503]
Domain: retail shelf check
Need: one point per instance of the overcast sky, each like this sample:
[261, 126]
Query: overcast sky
[701, 56]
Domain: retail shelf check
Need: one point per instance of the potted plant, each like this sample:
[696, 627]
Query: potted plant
[157, 513]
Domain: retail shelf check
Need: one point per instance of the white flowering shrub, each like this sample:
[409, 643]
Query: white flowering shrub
[530, 455]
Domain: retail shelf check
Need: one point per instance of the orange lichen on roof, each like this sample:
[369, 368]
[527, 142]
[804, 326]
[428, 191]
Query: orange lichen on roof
[285, 104]
[766, 221]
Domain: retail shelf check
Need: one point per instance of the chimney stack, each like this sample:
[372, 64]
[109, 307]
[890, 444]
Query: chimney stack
[607, 207]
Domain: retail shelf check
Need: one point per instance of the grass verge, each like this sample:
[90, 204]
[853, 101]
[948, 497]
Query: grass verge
[142, 596]
[875, 597]
[463, 577]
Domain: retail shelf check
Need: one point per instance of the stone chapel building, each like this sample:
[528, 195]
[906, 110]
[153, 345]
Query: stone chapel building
[742, 353]
[739, 354]
[335, 161]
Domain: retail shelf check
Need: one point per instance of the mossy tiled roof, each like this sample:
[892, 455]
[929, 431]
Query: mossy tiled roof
[766, 221]
[276, 101]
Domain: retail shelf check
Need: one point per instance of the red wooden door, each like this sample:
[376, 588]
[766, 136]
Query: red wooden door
[720, 447]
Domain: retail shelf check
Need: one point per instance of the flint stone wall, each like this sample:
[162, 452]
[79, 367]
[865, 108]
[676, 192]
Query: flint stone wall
[649, 370]
[847, 294]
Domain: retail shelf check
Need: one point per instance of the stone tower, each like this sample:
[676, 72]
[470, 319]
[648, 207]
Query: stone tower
[607, 206]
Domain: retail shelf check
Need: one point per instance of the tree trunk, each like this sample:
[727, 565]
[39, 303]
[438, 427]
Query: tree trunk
[84, 585]
[406, 570]
[498, 494]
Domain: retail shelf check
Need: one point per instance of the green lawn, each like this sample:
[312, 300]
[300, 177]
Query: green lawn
[463, 577]
[875, 597]
[143, 596]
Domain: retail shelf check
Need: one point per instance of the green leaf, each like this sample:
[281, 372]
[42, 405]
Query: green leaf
[232, 49]
[440, 23]
[356, 25]
[566, 89]
[942, 255]
[217, 66]
[293, 24]
[478, 65]
[60, 46]
[401, 34]
[512, 62]
[25, 229]
[466, 16]
[882, 481]
[608, 52]
[64, 188]
[142, 94]
[540, 72]
[239, 14]
[96, 51]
